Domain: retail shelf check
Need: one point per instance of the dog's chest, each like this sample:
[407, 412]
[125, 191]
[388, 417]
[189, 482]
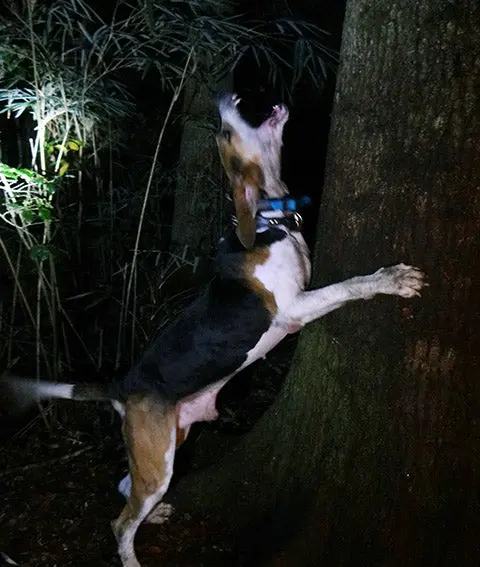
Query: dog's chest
[285, 273]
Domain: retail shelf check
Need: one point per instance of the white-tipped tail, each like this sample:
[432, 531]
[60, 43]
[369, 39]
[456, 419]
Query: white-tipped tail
[26, 391]
[23, 392]
[52, 390]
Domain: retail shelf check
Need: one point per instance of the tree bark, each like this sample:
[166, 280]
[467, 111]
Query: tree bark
[198, 209]
[373, 445]
[197, 215]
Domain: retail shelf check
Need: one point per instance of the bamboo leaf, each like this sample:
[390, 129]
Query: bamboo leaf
[45, 214]
[39, 252]
[28, 215]
[74, 145]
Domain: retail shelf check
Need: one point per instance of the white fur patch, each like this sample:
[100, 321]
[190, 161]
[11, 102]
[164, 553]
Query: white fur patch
[287, 270]
[52, 390]
[199, 406]
[125, 486]
[119, 407]
[37, 389]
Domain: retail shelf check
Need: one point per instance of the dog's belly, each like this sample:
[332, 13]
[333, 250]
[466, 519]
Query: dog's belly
[199, 406]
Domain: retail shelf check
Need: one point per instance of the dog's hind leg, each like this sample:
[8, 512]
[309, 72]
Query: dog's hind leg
[149, 430]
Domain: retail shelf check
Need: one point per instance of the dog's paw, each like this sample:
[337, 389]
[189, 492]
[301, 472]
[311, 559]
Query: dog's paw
[160, 514]
[278, 116]
[405, 281]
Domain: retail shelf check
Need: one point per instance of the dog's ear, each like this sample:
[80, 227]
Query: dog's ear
[247, 185]
[246, 178]
[245, 199]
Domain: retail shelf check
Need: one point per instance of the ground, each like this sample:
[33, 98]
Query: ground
[58, 493]
[59, 472]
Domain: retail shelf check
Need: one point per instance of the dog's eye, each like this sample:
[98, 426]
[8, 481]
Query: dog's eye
[226, 135]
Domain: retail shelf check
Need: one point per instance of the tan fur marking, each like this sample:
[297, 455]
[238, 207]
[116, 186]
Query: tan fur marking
[255, 258]
[181, 436]
[182, 432]
[146, 430]
[229, 151]
[249, 175]
[245, 217]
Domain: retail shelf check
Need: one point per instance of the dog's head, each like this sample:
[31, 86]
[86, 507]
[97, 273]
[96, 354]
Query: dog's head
[251, 158]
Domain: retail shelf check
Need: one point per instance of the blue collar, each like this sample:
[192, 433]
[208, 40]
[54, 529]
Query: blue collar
[285, 204]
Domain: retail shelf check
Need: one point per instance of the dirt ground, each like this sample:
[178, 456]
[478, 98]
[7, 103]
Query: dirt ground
[58, 496]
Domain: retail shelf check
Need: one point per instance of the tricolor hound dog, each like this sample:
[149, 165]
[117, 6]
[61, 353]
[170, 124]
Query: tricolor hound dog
[257, 297]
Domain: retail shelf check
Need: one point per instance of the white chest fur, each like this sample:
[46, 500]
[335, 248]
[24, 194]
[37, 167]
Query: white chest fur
[287, 269]
[285, 274]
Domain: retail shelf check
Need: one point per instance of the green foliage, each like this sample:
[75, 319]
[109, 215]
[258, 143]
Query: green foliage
[27, 196]
[39, 252]
[58, 152]
[74, 43]
[220, 41]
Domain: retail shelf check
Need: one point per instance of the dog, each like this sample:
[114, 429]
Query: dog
[257, 296]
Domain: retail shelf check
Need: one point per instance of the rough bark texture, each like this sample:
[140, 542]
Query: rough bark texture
[377, 429]
[198, 197]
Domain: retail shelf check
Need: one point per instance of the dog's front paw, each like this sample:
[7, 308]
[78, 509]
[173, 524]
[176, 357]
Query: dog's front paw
[160, 514]
[405, 281]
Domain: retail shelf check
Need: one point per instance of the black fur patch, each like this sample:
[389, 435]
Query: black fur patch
[211, 338]
[231, 252]
[231, 244]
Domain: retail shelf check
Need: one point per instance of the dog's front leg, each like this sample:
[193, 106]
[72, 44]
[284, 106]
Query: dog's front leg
[402, 280]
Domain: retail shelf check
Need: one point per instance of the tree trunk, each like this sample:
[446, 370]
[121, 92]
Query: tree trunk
[198, 207]
[373, 444]
[197, 215]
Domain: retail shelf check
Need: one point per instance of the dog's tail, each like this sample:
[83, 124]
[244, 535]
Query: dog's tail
[20, 393]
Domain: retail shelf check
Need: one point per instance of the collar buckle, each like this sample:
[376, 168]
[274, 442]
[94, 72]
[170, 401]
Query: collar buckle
[291, 221]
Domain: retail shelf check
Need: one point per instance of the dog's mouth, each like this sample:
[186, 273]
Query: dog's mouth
[278, 116]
